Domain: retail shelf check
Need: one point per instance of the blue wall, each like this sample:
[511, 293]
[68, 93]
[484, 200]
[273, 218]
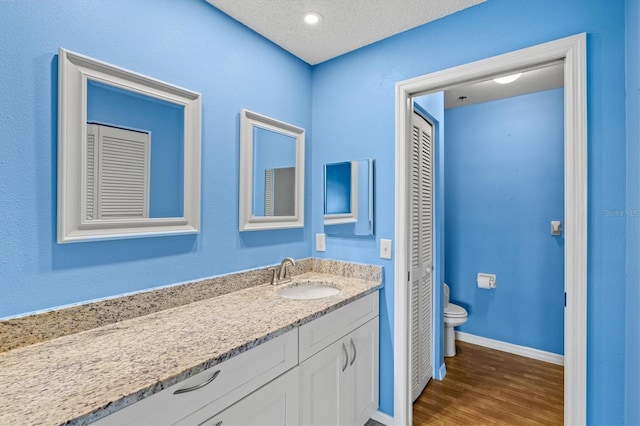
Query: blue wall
[504, 168]
[187, 43]
[633, 208]
[368, 75]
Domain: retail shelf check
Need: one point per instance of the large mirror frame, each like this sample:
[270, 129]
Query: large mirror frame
[247, 221]
[74, 72]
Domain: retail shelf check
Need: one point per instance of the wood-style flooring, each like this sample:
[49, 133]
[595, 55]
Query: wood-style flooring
[486, 386]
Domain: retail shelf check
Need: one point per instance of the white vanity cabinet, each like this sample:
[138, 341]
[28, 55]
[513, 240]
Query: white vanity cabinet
[339, 383]
[322, 373]
[198, 398]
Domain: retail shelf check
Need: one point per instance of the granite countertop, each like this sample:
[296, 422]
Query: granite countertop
[78, 378]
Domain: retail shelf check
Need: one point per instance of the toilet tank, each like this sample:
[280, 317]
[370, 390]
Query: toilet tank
[446, 295]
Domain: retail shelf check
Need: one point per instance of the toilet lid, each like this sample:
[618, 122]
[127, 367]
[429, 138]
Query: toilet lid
[454, 311]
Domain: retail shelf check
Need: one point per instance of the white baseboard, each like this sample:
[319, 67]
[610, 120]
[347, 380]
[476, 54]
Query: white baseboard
[383, 418]
[440, 372]
[443, 371]
[511, 348]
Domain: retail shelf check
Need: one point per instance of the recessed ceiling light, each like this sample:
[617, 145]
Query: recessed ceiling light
[312, 18]
[507, 79]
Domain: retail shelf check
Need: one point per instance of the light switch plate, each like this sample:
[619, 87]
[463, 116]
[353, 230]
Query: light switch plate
[385, 249]
[320, 242]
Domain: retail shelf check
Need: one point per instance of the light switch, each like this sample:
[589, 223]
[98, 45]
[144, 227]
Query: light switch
[320, 243]
[556, 227]
[385, 249]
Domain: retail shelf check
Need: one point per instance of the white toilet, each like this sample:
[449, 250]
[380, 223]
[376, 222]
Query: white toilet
[454, 316]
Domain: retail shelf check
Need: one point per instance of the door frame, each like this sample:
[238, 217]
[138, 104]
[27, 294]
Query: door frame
[571, 50]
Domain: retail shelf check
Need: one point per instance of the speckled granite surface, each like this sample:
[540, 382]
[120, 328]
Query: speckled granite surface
[80, 377]
[28, 330]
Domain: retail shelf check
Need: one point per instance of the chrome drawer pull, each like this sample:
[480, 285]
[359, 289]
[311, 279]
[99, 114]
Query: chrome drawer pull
[353, 345]
[201, 385]
[346, 357]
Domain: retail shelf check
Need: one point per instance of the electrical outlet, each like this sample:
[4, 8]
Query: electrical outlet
[320, 243]
[385, 249]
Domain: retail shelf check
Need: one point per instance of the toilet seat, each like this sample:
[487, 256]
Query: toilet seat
[454, 311]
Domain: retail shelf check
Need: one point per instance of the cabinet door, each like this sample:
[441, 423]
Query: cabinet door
[320, 333]
[363, 373]
[276, 403]
[323, 381]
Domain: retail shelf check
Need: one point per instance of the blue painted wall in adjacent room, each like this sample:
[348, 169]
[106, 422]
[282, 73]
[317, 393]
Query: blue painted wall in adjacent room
[632, 373]
[187, 43]
[504, 167]
[353, 116]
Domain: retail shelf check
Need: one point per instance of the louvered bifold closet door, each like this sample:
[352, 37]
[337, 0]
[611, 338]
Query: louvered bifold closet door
[268, 192]
[117, 173]
[421, 253]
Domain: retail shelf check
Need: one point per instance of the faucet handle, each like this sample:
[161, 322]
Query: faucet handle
[274, 276]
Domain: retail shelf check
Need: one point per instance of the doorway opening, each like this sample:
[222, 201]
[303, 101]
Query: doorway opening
[572, 52]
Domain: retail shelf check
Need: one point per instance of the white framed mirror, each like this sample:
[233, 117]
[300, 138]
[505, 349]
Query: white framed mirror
[271, 173]
[349, 188]
[128, 153]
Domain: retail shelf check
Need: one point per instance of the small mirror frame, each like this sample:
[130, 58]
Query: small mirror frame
[247, 221]
[74, 70]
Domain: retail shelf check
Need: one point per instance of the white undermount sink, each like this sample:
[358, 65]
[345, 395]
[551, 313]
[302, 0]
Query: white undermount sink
[307, 290]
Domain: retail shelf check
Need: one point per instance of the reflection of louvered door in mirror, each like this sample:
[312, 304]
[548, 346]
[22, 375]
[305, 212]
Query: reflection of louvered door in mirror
[117, 165]
[279, 194]
[421, 254]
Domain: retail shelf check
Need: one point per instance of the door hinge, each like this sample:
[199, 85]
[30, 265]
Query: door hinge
[565, 299]
[408, 275]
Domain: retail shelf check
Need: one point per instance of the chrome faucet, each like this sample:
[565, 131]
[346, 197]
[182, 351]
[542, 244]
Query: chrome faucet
[280, 274]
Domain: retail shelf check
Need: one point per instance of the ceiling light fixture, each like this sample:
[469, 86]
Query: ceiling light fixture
[312, 18]
[507, 79]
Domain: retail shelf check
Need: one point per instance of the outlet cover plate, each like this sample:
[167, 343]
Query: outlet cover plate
[385, 249]
[320, 242]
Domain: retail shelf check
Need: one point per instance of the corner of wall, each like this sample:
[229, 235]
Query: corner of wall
[632, 315]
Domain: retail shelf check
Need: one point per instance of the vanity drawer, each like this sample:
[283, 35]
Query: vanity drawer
[320, 333]
[234, 378]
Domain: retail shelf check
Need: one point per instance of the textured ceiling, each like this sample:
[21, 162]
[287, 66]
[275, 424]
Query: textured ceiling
[346, 25]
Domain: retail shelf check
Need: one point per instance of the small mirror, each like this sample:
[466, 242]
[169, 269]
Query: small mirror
[349, 198]
[341, 193]
[271, 173]
[128, 153]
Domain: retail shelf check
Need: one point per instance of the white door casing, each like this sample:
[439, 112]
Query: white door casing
[571, 50]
